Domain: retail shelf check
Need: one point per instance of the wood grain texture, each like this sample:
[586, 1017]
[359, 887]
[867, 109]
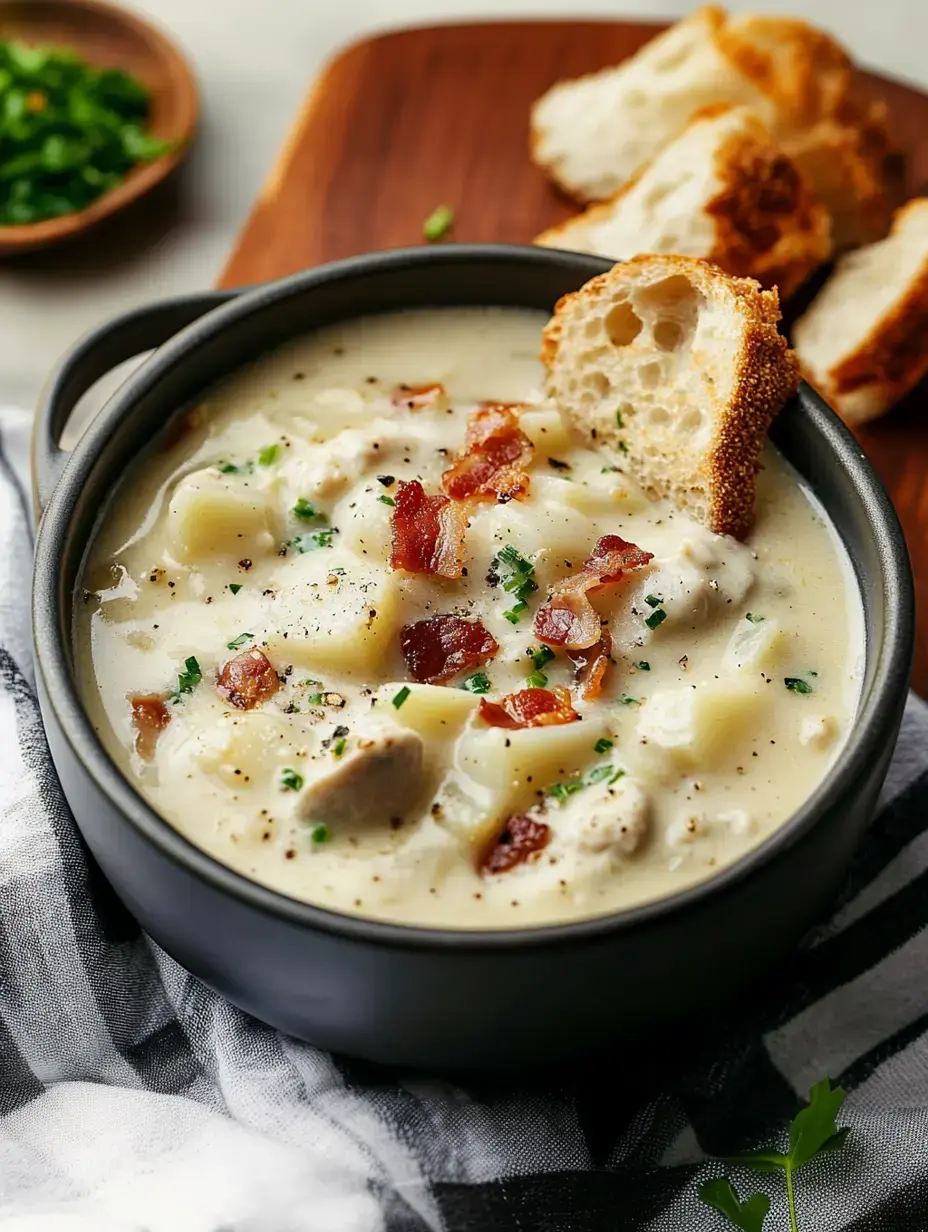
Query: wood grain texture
[107, 37]
[401, 123]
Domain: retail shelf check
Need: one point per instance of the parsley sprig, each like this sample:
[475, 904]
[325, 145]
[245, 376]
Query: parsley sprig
[188, 679]
[813, 1132]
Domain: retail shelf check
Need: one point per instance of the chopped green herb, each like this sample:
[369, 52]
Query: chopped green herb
[615, 778]
[386, 480]
[812, 1132]
[537, 680]
[189, 678]
[401, 696]
[338, 747]
[602, 745]
[519, 582]
[795, 685]
[235, 587]
[478, 683]
[643, 665]
[386, 500]
[438, 223]
[596, 775]
[618, 420]
[306, 511]
[290, 780]
[319, 834]
[755, 620]
[315, 699]
[237, 468]
[625, 700]
[653, 600]
[657, 617]
[623, 447]
[268, 455]
[541, 656]
[71, 131]
[561, 791]
[238, 642]
[314, 539]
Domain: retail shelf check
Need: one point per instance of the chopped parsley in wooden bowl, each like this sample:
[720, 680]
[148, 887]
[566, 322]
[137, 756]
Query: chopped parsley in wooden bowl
[96, 107]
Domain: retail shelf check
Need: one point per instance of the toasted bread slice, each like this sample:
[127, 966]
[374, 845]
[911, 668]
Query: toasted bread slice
[862, 341]
[678, 370]
[724, 191]
[593, 134]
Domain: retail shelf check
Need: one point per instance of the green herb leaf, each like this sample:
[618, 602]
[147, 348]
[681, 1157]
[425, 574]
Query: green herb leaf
[795, 685]
[643, 666]
[401, 696]
[625, 700]
[814, 1127]
[602, 745]
[657, 617]
[239, 641]
[596, 775]
[615, 778]
[541, 656]
[754, 619]
[386, 500]
[306, 511]
[290, 780]
[478, 683]
[338, 747]
[536, 680]
[235, 587]
[623, 447]
[562, 791]
[268, 455]
[653, 600]
[438, 223]
[189, 678]
[618, 420]
[237, 468]
[319, 834]
[314, 539]
[519, 581]
[748, 1215]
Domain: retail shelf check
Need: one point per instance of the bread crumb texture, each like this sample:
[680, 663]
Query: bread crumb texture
[677, 370]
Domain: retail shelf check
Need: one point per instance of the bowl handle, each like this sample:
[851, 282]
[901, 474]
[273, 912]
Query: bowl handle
[94, 356]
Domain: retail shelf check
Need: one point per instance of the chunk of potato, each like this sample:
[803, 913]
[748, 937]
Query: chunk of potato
[332, 621]
[701, 726]
[430, 709]
[366, 523]
[211, 514]
[242, 748]
[517, 767]
[556, 537]
[754, 646]
[546, 429]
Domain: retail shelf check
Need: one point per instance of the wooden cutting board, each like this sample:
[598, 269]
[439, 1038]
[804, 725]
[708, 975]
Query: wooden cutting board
[398, 124]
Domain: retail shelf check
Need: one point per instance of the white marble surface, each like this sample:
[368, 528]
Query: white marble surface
[255, 60]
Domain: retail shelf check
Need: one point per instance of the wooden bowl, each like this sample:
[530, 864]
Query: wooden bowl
[107, 37]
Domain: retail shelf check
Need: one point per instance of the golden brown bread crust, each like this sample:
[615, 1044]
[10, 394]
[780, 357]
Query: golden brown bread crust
[767, 376]
[768, 226]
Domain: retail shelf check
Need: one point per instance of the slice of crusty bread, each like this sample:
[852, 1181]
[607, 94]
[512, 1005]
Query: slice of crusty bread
[724, 191]
[678, 369]
[593, 134]
[863, 341]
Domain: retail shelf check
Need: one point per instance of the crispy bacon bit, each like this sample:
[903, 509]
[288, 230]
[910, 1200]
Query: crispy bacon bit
[150, 716]
[441, 646]
[496, 456]
[568, 618]
[247, 680]
[530, 708]
[428, 532]
[521, 838]
[418, 397]
[591, 665]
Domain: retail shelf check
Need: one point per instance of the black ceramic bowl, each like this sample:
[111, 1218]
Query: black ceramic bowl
[416, 996]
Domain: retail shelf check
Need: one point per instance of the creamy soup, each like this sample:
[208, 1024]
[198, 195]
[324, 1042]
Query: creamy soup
[374, 630]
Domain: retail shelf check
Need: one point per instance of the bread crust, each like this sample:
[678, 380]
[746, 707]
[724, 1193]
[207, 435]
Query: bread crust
[766, 376]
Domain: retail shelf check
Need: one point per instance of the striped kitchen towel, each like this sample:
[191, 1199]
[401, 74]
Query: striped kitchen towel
[133, 1099]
